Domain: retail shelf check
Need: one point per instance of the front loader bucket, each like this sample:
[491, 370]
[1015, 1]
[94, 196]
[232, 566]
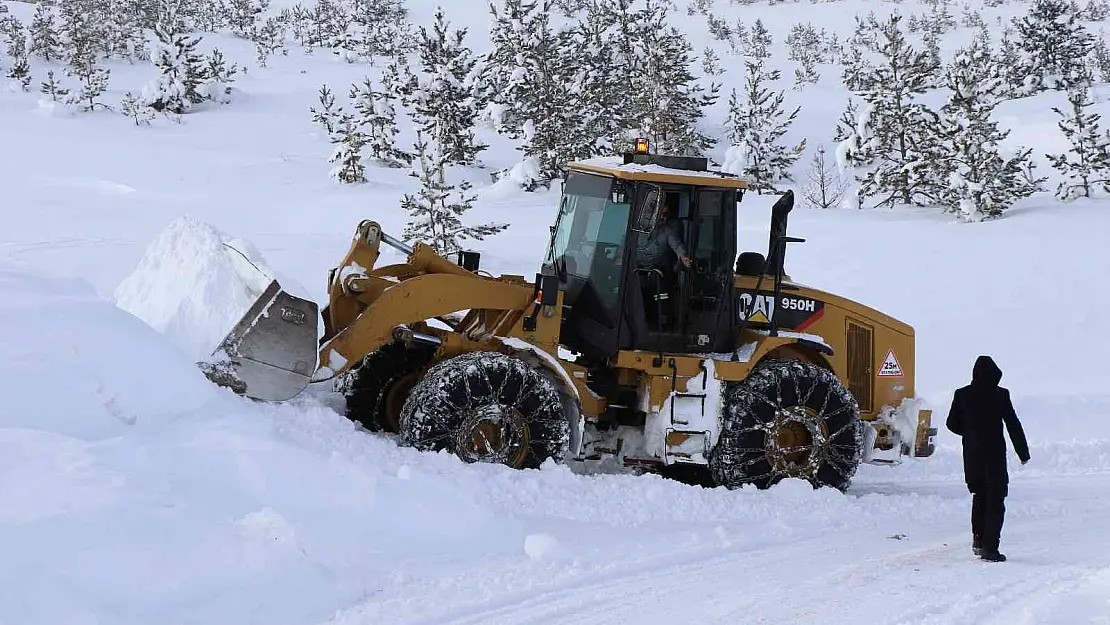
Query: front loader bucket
[270, 354]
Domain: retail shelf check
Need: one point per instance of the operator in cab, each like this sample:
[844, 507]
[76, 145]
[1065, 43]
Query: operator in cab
[652, 250]
[654, 262]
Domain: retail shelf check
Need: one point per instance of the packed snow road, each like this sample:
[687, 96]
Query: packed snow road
[1058, 571]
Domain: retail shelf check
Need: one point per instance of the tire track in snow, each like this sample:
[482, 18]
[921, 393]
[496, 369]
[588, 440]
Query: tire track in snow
[938, 581]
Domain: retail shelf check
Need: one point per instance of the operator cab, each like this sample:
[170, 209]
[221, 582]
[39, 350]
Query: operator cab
[609, 213]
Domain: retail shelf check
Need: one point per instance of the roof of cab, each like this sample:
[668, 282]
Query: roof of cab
[617, 168]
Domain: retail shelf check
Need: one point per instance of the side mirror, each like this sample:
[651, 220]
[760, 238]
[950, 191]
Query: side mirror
[648, 211]
[549, 290]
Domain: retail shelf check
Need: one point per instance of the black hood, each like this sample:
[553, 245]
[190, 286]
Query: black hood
[986, 372]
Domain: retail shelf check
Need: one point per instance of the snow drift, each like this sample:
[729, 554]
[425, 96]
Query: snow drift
[72, 362]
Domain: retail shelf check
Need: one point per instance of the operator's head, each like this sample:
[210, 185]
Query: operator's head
[670, 207]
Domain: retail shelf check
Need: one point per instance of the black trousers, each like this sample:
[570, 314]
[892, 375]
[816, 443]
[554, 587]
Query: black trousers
[988, 511]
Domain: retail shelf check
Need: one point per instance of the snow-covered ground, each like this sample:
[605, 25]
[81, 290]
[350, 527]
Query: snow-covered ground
[133, 491]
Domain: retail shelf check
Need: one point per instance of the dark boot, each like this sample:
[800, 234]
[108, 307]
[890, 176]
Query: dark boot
[976, 545]
[992, 556]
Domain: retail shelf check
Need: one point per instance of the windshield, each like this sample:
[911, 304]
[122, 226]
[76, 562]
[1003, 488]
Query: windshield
[591, 225]
[590, 237]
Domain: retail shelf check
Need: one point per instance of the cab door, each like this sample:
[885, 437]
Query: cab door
[707, 292]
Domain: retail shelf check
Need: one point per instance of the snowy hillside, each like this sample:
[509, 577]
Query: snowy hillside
[133, 491]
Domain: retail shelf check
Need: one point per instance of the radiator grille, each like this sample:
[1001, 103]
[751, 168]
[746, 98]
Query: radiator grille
[860, 359]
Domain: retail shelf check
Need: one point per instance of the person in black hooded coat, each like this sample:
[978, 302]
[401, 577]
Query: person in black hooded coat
[978, 412]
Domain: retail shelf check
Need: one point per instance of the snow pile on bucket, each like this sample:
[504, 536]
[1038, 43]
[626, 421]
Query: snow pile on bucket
[193, 284]
[72, 363]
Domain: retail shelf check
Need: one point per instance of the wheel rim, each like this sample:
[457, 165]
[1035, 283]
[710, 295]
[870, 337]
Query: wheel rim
[394, 402]
[495, 433]
[795, 441]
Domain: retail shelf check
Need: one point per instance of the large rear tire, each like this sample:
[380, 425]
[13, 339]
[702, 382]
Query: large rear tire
[788, 419]
[376, 390]
[487, 407]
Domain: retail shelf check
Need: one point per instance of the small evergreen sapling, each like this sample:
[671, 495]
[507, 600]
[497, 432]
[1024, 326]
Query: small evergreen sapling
[132, 106]
[53, 87]
[349, 141]
[18, 68]
[756, 124]
[436, 211]
[177, 88]
[1089, 165]
[327, 116]
[378, 120]
[46, 42]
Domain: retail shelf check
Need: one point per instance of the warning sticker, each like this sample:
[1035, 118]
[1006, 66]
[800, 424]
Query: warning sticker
[890, 367]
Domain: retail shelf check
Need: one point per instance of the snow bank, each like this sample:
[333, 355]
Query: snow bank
[71, 362]
[193, 284]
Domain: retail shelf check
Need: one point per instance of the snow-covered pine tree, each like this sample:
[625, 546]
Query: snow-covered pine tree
[181, 74]
[806, 49]
[756, 125]
[504, 63]
[299, 20]
[82, 55]
[826, 188]
[1054, 42]
[46, 42]
[846, 125]
[81, 34]
[376, 29]
[19, 70]
[900, 133]
[132, 106]
[120, 24]
[1100, 59]
[939, 19]
[1096, 11]
[760, 42]
[436, 211]
[666, 98]
[328, 25]
[443, 100]
[269, 39]
[711, 62]
[981, 182]
[971, 18]
[53, 87]
[217, 77]
[856, 66]
[93, 82]
[1089, 162]
[1010, 66]
[347, 156]
[377, 120]
[539, 99]
[243, 15]
[328, 115]
[601, 96]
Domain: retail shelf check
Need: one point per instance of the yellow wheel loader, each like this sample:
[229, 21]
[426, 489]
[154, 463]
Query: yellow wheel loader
[702, 364]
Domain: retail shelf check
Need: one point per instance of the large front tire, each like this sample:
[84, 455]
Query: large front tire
[376, 390]
[487, 407]
[788, 419]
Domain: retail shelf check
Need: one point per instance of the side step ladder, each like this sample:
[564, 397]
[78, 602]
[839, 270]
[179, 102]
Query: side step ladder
[682, 445]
